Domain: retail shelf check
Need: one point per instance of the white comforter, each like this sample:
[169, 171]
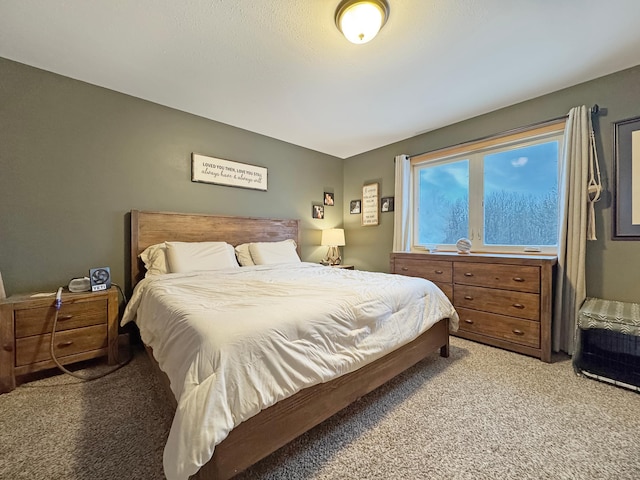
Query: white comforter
[236, 341]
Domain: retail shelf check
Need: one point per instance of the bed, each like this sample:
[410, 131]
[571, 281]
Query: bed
[270, 422]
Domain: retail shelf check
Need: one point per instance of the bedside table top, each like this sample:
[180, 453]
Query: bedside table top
[37, 298]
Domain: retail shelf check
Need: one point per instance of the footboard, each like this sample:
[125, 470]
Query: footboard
[277, 425]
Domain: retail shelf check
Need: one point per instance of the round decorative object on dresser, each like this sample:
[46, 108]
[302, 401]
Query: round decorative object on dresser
[463, 245]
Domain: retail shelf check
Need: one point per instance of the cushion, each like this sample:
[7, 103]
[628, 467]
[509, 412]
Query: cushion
[244, 255]
[183, 257]
[267, 253]
[155, 259]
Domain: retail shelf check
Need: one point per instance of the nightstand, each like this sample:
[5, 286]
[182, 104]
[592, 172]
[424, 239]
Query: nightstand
[344, 267]
[87, 328]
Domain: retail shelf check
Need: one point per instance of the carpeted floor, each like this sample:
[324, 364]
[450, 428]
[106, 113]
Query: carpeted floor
[483, 413]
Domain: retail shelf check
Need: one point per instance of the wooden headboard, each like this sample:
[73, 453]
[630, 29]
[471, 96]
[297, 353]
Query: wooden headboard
[149, 228]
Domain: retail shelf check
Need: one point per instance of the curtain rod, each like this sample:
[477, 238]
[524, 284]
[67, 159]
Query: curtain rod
[595, 110]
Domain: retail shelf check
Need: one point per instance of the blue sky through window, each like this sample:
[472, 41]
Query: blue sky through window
[519, 195]
[529, 170]
[450, 179]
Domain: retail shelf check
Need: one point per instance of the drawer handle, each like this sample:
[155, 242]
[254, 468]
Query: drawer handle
[8, 347]
[518, 305]
[439, 272]
[68, 343]
[468, 274]
[468, 320]
[518, 332]
[404, 269]
[518, 279]
[64, 317]
[468, 297]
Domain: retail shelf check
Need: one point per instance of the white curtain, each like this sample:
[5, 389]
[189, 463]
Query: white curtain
[402, 208]
[575, 205]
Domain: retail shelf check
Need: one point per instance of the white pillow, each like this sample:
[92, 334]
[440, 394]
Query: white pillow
[268, 253]
[155, 259]
[244, 255]
[184, 257]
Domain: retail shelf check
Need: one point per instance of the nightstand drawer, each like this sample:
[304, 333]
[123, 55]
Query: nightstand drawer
[38, 321]
[503, 302]
[439, 272]
[523, 332]
[87, 328]
[509, 277]
[36, 348]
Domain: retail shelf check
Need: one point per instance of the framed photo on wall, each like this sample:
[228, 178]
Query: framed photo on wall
[328, 199]
[370, 204]
[626, 158]
[317, 211]
[386, 204]
[354, 207]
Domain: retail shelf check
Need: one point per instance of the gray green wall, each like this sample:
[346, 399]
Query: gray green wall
[76, 158]
[613, 267]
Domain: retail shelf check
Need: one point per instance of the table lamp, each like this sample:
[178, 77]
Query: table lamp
[334, 239]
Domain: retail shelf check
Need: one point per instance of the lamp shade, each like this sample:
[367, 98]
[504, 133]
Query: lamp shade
[361, 20]
[333, 237]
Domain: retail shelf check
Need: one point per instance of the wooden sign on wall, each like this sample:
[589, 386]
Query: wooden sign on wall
[225, 172]
[370, 204]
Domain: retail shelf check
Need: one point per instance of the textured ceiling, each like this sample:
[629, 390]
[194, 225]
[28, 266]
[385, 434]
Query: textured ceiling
[282, 69]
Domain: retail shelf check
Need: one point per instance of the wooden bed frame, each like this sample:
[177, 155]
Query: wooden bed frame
[277, 425]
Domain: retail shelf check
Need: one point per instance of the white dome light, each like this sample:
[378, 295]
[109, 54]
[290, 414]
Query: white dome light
[361, 20]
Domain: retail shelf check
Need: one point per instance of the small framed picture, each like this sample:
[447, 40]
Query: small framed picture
[386, 204]
[318, 211]
[354, 207]
[328, 199]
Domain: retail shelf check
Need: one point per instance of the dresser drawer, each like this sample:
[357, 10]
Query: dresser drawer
[36, 348]
[504, 302]
[447, 288]
[515, 330]
[439, 272]
[39, 321]
[509, 277]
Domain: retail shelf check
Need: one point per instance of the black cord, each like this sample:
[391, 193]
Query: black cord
[124, 297]
[73, 374]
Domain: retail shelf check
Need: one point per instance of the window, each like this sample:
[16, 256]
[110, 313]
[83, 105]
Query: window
[501, 193]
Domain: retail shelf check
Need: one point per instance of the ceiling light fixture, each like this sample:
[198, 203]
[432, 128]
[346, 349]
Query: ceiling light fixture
[361, 20]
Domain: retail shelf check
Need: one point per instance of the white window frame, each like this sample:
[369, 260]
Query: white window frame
[475, 152]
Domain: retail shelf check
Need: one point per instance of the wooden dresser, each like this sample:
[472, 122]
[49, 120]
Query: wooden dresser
[87, 328]
[502, 300]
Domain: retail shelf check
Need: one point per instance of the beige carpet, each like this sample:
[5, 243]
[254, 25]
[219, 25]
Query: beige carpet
[484, 413]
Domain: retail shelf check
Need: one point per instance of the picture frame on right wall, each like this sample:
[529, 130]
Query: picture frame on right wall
[626, 158]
